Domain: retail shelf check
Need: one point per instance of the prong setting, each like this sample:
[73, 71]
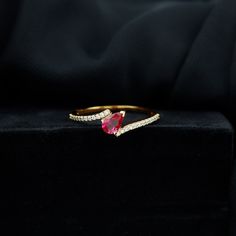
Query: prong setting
[122, 113]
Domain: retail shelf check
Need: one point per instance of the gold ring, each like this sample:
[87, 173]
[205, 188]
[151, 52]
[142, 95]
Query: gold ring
[112, 122]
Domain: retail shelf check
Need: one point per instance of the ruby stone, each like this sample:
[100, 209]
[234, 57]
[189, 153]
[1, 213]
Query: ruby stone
[112, 123]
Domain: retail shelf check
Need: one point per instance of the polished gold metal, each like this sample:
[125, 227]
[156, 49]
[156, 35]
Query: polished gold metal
[101, 112]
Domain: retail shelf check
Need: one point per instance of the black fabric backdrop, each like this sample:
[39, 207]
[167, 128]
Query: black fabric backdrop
[156, 53]
[172, 55]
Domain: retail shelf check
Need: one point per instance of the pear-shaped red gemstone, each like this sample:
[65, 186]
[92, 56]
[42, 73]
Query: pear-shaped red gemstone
[112, 123]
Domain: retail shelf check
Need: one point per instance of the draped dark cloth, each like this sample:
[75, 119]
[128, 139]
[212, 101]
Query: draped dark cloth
[177, 54]
[162, 54]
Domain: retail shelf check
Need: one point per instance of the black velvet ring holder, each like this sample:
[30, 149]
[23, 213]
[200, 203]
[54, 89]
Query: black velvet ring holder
[67, 178]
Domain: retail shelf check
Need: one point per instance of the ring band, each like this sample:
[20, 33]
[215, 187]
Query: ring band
[112, 122]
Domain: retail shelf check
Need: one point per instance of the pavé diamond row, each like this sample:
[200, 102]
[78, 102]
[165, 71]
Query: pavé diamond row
[97, 116]
[137, 124]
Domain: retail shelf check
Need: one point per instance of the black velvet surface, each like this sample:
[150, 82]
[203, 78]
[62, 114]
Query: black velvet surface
[67, 178]
[232, 199]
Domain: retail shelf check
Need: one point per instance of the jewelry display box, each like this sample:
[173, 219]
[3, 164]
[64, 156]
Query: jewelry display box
[66, 178]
